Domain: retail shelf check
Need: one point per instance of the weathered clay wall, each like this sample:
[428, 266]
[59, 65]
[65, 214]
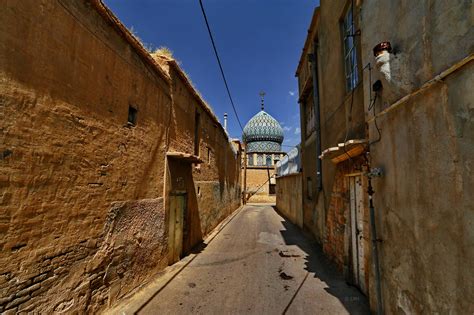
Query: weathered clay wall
[337, 240]
[424, 205]
[342, 115]
[288, 198]
[327, 213]
[83, 217]
[217, 180]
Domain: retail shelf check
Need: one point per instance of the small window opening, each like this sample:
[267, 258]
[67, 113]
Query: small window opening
[208, 155]
[132, 115]
[272, 189]
[197, 127]
[309, 188]
[269, 160]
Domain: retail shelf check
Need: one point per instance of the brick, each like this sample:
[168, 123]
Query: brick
[17, 302]
[28, 290]
[12, 311]
[40, 277]
[5, 300]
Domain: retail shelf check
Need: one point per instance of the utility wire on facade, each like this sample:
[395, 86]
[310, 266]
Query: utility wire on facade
[220, 64]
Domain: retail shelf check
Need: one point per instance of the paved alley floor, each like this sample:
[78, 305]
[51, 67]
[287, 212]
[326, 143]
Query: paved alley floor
[258, 264]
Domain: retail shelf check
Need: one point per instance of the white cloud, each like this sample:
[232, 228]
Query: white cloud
[291, 93]
[297, 131]
[286, 128]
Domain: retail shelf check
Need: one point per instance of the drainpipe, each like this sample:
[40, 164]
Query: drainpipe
[313, 58]
[373, 233]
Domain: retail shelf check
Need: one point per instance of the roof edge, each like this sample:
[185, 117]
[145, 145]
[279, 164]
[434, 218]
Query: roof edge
[122, 30]
[312, 25]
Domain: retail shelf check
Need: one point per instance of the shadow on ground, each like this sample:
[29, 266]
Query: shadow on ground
[319, 266]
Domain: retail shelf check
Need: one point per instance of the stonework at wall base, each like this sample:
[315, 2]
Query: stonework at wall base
[84, 215]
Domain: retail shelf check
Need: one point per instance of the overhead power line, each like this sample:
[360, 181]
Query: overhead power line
[220, 64]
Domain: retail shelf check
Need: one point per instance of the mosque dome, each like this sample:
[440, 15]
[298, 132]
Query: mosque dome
[263, 133]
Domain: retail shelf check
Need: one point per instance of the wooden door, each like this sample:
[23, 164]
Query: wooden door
[176, 225]
[357, 228]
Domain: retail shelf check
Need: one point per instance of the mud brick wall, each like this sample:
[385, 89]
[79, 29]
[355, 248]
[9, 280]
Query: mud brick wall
[217, 179]
[83, 220]
[337, 233]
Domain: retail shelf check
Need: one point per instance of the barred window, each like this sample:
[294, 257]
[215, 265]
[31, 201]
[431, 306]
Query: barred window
[350, 54]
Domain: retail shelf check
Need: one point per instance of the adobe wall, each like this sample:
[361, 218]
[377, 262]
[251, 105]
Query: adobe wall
[216, 180]
[83, 218]
[337, 241]
[423, 203]
[288, 198]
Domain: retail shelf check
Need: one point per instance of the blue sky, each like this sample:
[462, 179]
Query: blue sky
[259, 43]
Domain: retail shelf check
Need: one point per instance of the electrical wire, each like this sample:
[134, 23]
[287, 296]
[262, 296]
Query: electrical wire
[270, 177]
[372, 107]
[220, 64]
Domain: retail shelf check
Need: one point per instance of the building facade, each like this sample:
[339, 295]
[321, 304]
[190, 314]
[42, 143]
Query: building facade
[262, 138]
[331, 98]
[386, 142]
[421, 130]
[112, 165]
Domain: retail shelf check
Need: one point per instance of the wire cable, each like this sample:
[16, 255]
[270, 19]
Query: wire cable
[269, 177]
[220, 64]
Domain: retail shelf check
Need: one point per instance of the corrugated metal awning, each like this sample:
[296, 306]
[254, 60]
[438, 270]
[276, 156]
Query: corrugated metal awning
[345, 150]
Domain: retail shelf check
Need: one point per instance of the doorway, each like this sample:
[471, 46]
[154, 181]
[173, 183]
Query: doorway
[358, 226]
[178, 213]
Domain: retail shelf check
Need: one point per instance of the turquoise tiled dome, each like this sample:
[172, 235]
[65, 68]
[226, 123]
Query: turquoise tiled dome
[263, 133]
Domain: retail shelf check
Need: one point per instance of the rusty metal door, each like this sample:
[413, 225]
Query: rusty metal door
[357, 228]
[176, 224]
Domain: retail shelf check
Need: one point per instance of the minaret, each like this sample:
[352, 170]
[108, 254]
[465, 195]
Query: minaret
[225, 121]
[262, 95]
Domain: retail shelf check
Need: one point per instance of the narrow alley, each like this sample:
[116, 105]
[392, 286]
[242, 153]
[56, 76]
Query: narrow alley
[236, 157]
[259, 263]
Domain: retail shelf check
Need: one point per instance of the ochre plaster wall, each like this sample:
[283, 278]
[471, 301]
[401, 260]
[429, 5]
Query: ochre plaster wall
[423, 203]
[288, 199]
[341, 111]
[83, 218]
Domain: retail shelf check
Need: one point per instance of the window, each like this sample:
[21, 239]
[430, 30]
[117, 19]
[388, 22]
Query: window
[309, 188]
[250, 158]
[132, 115]
[269, 160]
[310, 118]
[350, 54]
[259, 160]
[271, 189]
[208, 155]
